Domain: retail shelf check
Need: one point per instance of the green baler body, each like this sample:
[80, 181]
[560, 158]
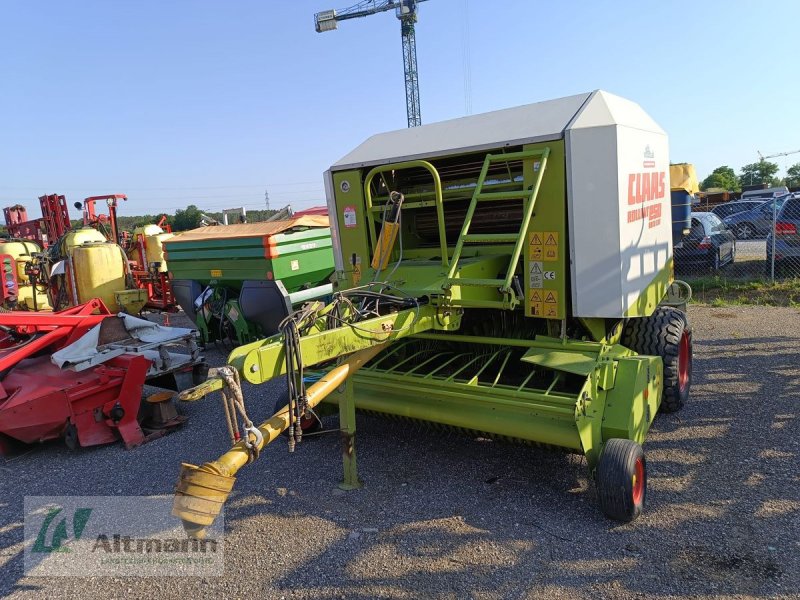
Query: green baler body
[295, 258]
[488, 238]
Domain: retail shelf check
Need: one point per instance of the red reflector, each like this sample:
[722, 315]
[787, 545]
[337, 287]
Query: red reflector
[705, 243]
[785, 228]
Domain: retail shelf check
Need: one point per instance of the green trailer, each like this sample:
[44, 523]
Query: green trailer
[238, 282]
[503, 274]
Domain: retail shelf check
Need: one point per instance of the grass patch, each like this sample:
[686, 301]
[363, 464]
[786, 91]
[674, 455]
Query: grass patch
[723, 291]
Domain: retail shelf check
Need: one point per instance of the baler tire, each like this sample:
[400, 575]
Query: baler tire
[308, 424]
[621, 479]
[668, 334]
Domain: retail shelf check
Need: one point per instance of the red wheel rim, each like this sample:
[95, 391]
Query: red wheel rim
[637, 483]
[307, 423]
[684, 360]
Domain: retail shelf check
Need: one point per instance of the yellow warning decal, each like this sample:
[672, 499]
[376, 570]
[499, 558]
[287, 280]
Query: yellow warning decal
[535, 246]
[550, 245]
[537, 308]
[550, 303]
[215, 272]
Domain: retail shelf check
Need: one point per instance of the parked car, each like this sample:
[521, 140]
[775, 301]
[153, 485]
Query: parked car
[765, 194]
[787, 239]
[754, 223]
[731, 208]
[709, 246]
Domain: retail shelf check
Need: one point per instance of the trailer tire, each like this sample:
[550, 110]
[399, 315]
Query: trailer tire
[668, 334]
[309, 424]
[621, 478]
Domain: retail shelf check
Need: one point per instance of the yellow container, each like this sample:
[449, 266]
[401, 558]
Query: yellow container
[19, 248]
[131, 301]
[79, 237]
[25, 299]
[154, 238]
[98, 271]
[154, 246]
[148, 230]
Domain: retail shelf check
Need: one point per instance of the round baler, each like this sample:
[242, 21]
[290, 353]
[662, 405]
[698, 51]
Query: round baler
[499, 273]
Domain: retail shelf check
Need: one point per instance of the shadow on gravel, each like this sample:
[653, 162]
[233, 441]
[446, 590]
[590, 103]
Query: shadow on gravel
[447, 516]
[455, 517]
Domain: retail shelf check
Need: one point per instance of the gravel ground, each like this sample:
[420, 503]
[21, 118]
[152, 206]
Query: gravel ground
[454, 517]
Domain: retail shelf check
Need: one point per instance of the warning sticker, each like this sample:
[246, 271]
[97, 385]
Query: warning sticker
[536, 303]
[536, 275]
[356, 269]
[550, 303]
[349, 216]
[295, 265]
[215, 272]
[550, 245]
[535, 246]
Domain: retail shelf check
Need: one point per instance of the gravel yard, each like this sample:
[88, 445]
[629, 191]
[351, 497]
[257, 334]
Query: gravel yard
[445, 516]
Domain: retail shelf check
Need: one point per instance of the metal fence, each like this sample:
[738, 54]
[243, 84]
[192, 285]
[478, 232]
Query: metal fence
[761, 244]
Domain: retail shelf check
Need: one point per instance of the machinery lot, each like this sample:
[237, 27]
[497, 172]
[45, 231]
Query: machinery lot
[446, 516]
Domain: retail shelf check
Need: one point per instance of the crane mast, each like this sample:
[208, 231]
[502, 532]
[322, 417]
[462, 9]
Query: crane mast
[406, 12]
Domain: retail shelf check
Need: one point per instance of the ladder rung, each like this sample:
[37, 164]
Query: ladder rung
[493, 158]
[493, 283]
[504, 195]
[491, 238]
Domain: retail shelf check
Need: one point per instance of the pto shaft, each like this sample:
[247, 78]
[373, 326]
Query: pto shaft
[201, 491]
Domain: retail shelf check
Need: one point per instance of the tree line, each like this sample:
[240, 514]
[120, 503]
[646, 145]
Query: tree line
[756, 173]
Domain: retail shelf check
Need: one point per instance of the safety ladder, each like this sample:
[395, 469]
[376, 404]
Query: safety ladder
[528, 196]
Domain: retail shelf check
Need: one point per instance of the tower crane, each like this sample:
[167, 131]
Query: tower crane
[406, 12]
[762, 157]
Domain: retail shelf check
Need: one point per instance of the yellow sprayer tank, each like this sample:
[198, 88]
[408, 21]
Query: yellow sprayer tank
[154, 245]
[78, 237]
[98, 271]
[20, 251]
[154, 238]
[25, 298]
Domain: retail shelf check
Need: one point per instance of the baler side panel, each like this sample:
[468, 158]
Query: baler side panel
[352, 225]
[545, 258]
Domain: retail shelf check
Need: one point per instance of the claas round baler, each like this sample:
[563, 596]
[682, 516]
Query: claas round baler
[501, 273]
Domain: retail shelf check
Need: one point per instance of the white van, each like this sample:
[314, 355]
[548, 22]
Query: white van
[766, 194]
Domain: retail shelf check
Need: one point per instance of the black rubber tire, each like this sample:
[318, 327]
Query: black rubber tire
[661, 334]
[311, 425]
[617, 480]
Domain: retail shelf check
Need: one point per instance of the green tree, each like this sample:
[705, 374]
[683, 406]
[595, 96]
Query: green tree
[793, 175]
[722, 177]
[762, 171]
[187, 218]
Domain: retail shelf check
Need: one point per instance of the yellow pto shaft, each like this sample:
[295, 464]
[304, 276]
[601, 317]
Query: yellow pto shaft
[201, 491]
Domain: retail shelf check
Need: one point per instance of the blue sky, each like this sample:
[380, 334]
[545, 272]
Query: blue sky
[179, 102]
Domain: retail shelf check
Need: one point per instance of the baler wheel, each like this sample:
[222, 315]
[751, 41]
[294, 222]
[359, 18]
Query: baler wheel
[622, 479]
[665, 333]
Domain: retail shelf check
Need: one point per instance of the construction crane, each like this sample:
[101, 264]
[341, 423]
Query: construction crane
[406, 11]
[762, 157]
